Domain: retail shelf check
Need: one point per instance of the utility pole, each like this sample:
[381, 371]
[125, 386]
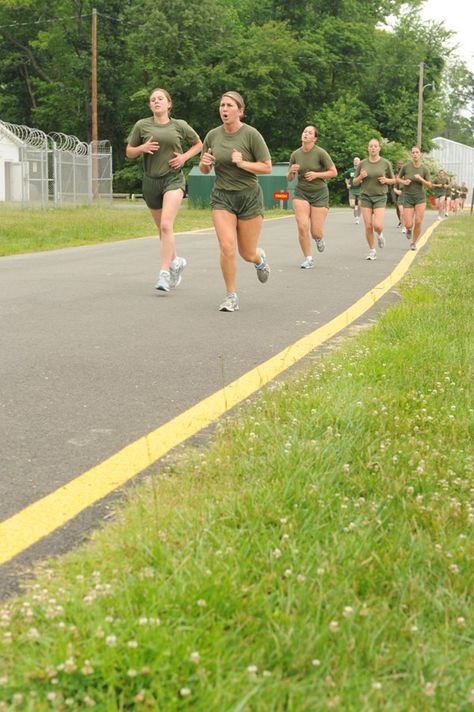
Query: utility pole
[420, 105]
[95, 132]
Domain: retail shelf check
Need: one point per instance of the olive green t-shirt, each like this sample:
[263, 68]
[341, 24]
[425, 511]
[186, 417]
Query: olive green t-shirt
[317, 159]
[375, 169]
[415, 189]
[350, 174]
[444, 182]
[170, 136]
[249, 142]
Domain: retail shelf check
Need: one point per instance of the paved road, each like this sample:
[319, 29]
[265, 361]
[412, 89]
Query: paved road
[92, 357]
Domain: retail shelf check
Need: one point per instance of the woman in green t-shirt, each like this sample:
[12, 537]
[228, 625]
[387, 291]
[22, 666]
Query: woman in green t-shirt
[374, 174]
[159, 140]
[440, 185]
[238, 153]
[313, 165]
[414, 177]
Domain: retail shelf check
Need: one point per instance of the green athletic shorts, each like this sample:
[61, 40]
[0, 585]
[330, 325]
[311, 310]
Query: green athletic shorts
[409, 201]
[373, 201]
[354, 194]
[154, 188]
[244, 204]
[317, 199]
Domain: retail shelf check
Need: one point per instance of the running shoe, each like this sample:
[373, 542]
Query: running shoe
[164, 280]
[372, 255]
[412, 246]
[263, 269]
[176, 269]
[307, 263]
[230, 303]
[380, 239]
[321, 245]
[404, 231]
[357, 221]
[408, 234]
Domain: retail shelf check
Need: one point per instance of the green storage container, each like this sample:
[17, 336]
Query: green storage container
[200, 186]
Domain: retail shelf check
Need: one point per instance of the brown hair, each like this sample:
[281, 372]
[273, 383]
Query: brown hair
[236, 97]
[167, 94]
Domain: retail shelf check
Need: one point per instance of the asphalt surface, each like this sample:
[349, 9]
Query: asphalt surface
[93, 357]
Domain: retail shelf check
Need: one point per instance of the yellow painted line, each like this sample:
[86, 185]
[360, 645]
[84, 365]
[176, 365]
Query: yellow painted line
[44, 516]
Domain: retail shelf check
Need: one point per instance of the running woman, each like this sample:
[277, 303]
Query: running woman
[238, 153]
[313, 166]
[414, 177]
[354, 190]
[159, 139]
[374, 174]
[440, 184]
[396, 197]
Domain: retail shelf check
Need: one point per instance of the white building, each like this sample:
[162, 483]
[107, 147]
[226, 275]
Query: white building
[23, 164]
[52, 169]
[457, 159]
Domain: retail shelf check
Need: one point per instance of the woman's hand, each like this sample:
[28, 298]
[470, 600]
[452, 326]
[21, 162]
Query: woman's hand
[236, 157]
[150, 146]
[177, 162]
[207, 159]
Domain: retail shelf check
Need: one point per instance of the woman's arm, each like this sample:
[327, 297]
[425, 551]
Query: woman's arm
[255, 167]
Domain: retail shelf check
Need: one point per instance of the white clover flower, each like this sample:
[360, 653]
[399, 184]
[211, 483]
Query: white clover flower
[334, 627]
[87, 668]
[376, 685]
[276, 553]
[300, 578]
[195, 657]
[348, 611]
[201, 603]
[132, 673]
[252, 670]
[461, 622]
[429, 689]
[132, 644]
[185, 692]
[287, 573]
[111, 640]
[346, 467]
[315, 662]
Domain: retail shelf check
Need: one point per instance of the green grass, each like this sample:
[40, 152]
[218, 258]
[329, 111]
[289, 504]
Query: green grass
[315, 555]
[53, 228]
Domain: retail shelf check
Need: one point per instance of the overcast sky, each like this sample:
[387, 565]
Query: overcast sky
[457, 15]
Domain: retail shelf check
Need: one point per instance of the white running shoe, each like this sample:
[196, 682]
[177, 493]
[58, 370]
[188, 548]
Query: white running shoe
[307, 263]
[372, 255]
[263, 268]
[357, 221]
[380, 239]
[230, 303]
[321, 244]
[163, 283]
[404, 231]
[176, 270]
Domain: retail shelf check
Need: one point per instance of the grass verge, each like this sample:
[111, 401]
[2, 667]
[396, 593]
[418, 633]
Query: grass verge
[38, 230]
[316, 555]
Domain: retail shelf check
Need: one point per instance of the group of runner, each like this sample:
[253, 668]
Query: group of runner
[238, 154]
